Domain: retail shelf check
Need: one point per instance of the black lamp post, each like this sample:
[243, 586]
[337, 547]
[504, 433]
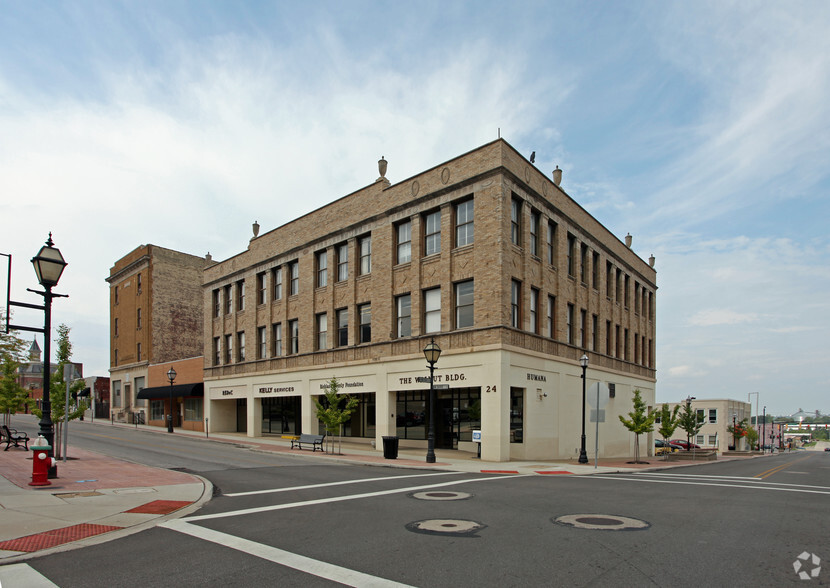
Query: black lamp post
[171, 375]
[583, 455]
[764, 434]
[432, 352]
[49, 265]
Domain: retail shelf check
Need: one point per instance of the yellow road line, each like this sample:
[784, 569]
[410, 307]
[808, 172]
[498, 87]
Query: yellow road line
[777, 469]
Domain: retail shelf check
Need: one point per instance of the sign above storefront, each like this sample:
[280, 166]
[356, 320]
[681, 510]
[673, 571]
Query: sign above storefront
[228, 392]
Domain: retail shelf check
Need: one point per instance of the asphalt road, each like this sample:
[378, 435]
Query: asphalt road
[734, 523]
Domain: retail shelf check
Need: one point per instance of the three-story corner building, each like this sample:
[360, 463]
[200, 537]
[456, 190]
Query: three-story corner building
[485, 255]
[156, 320]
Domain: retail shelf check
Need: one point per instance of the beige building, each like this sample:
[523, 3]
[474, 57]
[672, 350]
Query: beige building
[155, 318]
[718, 415]
[485, 254]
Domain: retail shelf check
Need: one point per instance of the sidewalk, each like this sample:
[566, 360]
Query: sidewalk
[97, 498]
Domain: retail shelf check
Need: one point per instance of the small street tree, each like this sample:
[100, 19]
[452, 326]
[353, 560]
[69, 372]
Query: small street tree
[12, 395]
[690, 421]
[752, 437]
[738, 431]
[639, 422]
[57, 390]
[668, 424]
[335, 409]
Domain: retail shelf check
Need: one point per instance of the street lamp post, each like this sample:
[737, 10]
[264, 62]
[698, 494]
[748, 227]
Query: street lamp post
[171, 375]
[583, 456]
[764, 434]
[49, 265]
[432, 352]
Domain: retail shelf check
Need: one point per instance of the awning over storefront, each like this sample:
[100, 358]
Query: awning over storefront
[178, 390]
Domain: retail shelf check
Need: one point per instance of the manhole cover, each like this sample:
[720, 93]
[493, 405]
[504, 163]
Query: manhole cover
[601, 522]
[441, 495]
[446, 527]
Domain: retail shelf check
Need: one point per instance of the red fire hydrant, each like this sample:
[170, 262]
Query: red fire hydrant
[41, 462]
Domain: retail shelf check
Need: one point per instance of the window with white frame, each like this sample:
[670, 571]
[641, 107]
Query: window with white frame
[464, 310]
[432, 233]
[262, 343]
[432, 310]
[322, 330]
[342, 262]
[713, 415]
[364, 245]
[404, 242]
[464, 223]
[322, 269]
[403, 308]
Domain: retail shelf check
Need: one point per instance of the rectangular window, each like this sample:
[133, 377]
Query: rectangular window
[365, 246]
[619, 286]
[157, 410]
[617, 341]
[551, 242]
[403, 307]
[515, 304]
[464, 315]
[595, 270]
[636, 297]
[571, 255]
[217, 351]
[432, 233]
[228, 300]
[627, 286]
[262, 343]
[138, 283]
[276, 339]
[534, 310]
[342, 262]
[217, 303]
[138, 318]
[535, 218]
[607, 337]
[583, 325]
[365, 332]
[322, 269]
[240, 295]
[404, 242]
[193, 409]
[432, 310]
[322, 329]
[713, 440]
[464, 223]
[261, 288]
[516, 221]
[240, 346]
[713, 416]
[276, 275]
[517, 415]
[699, 439]
[228, 349]
[115, 327]
[609, 279]
[625, 345]
[116, 393]
[570, 325]
[583, 263]
[551, 317]
[115, 293]
[342, 327]
[594, 333]
[294, 278]
[138, 351]
[293, 336]
[636, 348]
[139, 386]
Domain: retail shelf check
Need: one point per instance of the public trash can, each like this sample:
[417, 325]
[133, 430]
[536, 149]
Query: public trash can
[390, 447]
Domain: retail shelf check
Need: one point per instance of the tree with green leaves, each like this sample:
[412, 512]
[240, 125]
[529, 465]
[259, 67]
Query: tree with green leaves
[57, 387]
[641, 421]
[12, 395]
[751, 437]
[738, 431]
[335, 409]
[668, 424]
[691, 421]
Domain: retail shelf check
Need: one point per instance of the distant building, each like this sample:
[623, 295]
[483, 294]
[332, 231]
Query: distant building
[718, 416]
[155, 318]
[510, 276]
[30, 373]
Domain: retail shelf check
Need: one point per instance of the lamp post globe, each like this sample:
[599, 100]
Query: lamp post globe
[431, 352]
[171, 375]
[583, 455]
[49, 265]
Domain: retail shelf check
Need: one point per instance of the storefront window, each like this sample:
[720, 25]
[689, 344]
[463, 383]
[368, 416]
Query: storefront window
[517, 415]
[157, 410]
[193, 409]
[281, 415]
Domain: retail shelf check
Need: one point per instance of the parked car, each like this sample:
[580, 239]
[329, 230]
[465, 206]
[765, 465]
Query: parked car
[661, 447]
[683, 444]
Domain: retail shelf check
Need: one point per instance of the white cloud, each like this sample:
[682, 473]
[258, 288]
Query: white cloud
[721, 316]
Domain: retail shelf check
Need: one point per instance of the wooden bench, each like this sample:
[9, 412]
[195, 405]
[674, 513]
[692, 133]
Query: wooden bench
[12, 436]
[313, 440]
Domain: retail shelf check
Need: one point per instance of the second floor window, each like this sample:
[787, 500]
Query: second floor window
[240, 346]
[464, 316]
[432, 233]
[365, 332]
[276, 339]
[138, 318]
[322, 331]
[228, 349]
[293, 336]
[342, 327]
[534, 310]
[515, 304]
[403, 308]
[262, 343]
[432, 310]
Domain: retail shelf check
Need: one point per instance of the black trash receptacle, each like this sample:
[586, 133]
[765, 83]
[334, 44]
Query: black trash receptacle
[390, 447]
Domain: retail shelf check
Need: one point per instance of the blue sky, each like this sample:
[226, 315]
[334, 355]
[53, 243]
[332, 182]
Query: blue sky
[703, 129]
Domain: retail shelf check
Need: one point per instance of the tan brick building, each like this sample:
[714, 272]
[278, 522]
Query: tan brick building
[718, 415]
[512, 278]
[155, 318]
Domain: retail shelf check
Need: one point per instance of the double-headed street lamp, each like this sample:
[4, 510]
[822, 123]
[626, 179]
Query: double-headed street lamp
[49, 265]
[171, 375]
[432, 352]
[583, 455]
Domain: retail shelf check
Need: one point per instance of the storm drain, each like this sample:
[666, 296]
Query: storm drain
[441, 495]
[599, 522]
[454, 527]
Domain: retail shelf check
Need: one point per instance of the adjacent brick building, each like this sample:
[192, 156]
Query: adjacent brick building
[155, 318]
[485, 254]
